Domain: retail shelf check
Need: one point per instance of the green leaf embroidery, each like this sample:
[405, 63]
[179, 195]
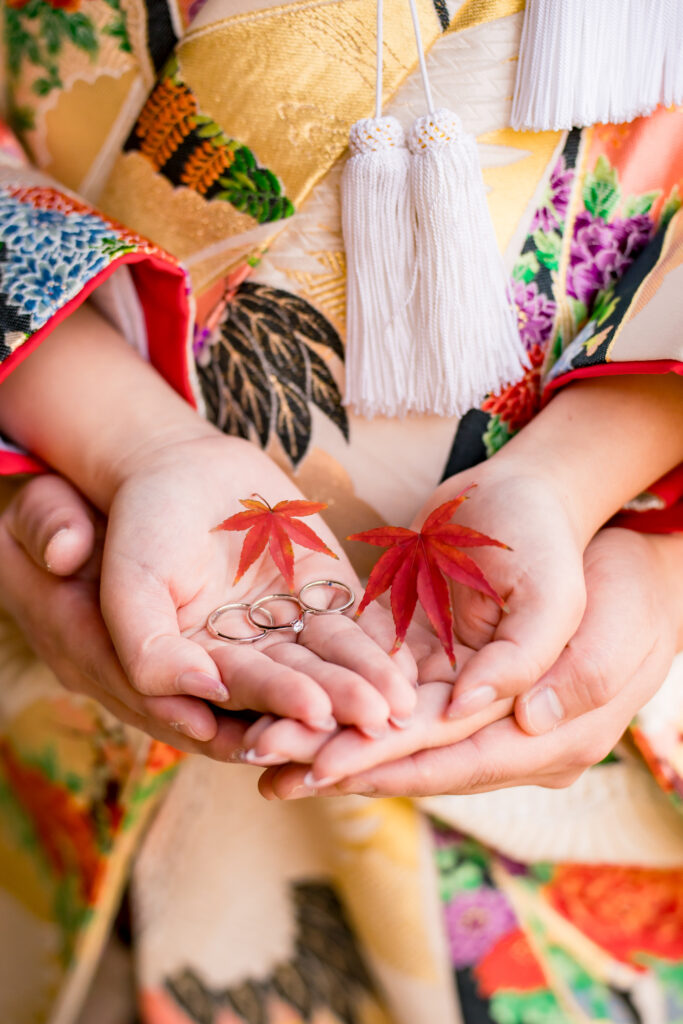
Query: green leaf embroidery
[497, 434]
[671, 206]
[548, 245]
[634, 206]
[526, 267]
[601, 191]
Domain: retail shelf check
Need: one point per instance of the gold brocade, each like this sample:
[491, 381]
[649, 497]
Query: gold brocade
[321, 70]
[476, 12]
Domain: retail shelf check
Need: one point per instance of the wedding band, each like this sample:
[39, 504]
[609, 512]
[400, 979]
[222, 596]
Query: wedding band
[296, 624]
[344, 587]
[217, 613]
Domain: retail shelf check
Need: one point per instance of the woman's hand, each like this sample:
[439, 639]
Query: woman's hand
[620, 655]
[540, 579]
[165, 568]
[50, 548]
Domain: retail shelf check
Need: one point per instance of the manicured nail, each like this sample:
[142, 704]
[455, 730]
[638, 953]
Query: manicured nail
[324, 724]
[312, 783]
[544, 710]
[186, 730]
[471, 701]
[400, 723]
[300, 792]
[372, 734]
[46, 555]
[264, 760]
[199, 684]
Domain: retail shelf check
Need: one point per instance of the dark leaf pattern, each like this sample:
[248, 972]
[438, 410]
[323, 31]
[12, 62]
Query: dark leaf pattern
[266, 367]
[325, 970]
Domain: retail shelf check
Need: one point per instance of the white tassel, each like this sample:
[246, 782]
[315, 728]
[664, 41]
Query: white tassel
[584, 62]
[466, 342]
[380, 258]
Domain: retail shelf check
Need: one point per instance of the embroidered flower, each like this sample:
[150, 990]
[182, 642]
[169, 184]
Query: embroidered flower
[601, 252]
[509, 965]
[519, 402]
[535, 313]
[475, 920]
[624, 910]
[556, 199]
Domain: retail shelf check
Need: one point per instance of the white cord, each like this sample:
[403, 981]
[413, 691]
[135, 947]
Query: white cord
[380, 46]
[421, 57]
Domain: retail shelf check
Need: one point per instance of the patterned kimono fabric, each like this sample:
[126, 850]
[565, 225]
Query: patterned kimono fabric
[203, 127]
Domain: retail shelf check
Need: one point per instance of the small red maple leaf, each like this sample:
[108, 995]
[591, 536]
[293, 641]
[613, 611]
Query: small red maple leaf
[417, 564]
[276, 526]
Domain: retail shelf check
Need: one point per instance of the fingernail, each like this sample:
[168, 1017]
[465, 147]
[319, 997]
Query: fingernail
[544, 710]
[400, 723]
[312, 783]
[237, 757]
[299, 792]
[199, 684]
[264, 760]
[46, 554]
[186, 730]
[472, 700]
[372, 734]
[325, 724]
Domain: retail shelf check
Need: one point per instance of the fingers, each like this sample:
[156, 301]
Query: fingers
[262, 680]
[278, 741]
[341, 641]
[354, 701]
[53, 524]
[526, 642]
[142, 619]
[614, 640]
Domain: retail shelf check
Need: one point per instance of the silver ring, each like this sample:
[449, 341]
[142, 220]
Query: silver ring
[344, 587]
[217, 613]
[296, 624]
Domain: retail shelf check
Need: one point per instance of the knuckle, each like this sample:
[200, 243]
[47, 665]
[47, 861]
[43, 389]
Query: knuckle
[590, 679]
[563, 780]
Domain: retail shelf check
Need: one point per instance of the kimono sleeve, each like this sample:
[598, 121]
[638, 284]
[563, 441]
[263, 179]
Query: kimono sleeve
[637, 330]
[55, 252]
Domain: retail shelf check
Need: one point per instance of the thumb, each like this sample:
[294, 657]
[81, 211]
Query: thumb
[526, 643]
[53, 524]
[142, 619]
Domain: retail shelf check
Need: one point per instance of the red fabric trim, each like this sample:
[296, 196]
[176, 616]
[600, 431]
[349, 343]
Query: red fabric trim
[162, 290]
[612, 370]
[15, 463]
[669, 487]
[655, 520]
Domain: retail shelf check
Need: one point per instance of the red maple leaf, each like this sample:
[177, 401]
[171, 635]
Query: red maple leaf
[277, 527]
[417, 564]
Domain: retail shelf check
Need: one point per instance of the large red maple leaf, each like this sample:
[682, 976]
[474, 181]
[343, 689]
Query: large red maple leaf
[417, 566]
[276, 526]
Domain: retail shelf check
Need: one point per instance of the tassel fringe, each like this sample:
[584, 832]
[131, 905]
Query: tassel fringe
[380, 259]
[466, 338]
[584, 62]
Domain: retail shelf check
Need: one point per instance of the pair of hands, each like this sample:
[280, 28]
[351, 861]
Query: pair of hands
[163, 571]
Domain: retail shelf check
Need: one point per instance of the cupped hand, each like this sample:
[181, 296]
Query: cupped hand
[540, 579]
[618, 658]
[165, 568]
[50, 549]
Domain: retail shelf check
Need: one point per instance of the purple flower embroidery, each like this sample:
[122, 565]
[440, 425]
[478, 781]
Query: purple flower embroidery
[475, 920]
[556, 199]
[535, 313]
[600, 253]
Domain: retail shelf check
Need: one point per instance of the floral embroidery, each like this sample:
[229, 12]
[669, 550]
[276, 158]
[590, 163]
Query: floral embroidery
[516, 405]
[189, 148]
[474, 921]
[601, 252]
[627, 911]
[556, 200]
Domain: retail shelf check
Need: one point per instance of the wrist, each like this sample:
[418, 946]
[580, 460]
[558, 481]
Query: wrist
[668, 550]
